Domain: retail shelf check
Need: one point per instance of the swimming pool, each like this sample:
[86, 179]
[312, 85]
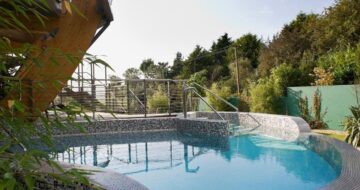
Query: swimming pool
[174, 160]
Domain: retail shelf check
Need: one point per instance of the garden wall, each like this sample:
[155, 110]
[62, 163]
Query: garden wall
[335, 99]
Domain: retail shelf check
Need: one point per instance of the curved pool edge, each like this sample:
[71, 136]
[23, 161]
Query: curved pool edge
[294, 128]
[349, 177]
[106, 178]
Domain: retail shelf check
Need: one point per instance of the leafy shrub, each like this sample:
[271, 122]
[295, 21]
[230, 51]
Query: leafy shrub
[286, 75]
[303, 105]
[343, 63]
[316, 119]
[323, 77]
[158, 102]
[199, 78]
[265, 96]
[352, 126]
[222, 91]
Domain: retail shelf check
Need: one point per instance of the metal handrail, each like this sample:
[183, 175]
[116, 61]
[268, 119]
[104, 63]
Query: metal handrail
[215, 95]
[137, 99]
[84, 79]
[186, 89]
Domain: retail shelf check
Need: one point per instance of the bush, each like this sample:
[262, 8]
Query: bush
[199, 78]
[286, 75]
[344, 64]
[158, 102]
[352, 126]
[316, 119]
[224, 92]
[265, 96]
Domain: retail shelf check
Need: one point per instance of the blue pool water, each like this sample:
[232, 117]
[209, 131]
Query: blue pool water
[169, 160]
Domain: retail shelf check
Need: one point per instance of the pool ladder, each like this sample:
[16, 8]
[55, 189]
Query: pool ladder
[192, 89]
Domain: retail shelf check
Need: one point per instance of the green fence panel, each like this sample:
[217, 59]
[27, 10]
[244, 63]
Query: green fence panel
[335, 99]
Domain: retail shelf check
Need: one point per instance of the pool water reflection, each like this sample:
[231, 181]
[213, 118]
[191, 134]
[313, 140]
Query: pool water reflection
[170, 160]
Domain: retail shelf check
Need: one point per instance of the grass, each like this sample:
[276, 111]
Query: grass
[339, 135]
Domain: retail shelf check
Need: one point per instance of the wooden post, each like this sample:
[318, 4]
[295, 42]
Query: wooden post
[237, 71]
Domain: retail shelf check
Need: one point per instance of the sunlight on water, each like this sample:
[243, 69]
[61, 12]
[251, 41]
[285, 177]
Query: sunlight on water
[169, 160]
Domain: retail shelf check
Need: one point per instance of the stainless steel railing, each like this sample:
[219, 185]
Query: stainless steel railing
[215, 95]
[186, 90]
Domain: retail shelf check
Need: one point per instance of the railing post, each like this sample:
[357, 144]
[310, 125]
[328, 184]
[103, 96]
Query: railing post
[78, 74]
[184, 100]
[145, 98]
[169, 97]
[128, 96]
[106, 75]
[82, 76]
[93, 89]
[190, 101]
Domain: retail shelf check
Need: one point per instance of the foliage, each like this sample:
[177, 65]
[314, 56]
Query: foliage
[289, 45]
[265, 96]
[223, 92]
[286, 75]
[146, 64]
[151, 70]
[343, 64]
[158, 102]
[303, 105]
[322, 77]
[199, 78]
[247, 47]
[177, 66]
[316, 118]
[318, 121]
[21, 163]
[132, 73]
[352, 126]
[308, 44]
[246, 73]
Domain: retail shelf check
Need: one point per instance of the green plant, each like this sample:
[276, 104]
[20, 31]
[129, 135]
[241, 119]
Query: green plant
[314, 116]
[303, 105]
[265, 96]
[199, 78]
[21, 165]
[318, 116]
[352, 125]
[323, 77]
[158, 102]
[223, 92]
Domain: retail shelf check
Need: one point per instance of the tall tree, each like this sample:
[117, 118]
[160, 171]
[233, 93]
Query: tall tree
[146, 67]
[198, 60]
[338, 27]
[247, 47]
[177, 66]
[132, 73]
[219, 61]
[289, 45]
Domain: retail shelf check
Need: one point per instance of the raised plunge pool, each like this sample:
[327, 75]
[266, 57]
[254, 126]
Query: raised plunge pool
[171, 160]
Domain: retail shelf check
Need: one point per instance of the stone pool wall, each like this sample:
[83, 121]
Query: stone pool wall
[196, 126]
[279, 126]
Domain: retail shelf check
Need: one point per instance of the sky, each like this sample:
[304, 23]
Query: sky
[158, 29]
